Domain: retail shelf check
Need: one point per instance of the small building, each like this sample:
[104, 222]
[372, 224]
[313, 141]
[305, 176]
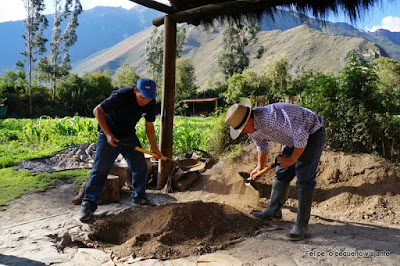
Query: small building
[202, 109]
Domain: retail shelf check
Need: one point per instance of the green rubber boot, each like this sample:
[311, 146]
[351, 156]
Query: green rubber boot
[279, 195]
[300, 229]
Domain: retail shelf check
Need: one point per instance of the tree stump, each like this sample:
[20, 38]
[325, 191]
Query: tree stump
[110, 192]
[123, 172]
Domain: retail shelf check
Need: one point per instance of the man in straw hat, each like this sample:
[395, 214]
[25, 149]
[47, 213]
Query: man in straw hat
[303, 134]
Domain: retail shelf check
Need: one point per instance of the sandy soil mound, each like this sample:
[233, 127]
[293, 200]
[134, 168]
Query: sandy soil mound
[173, 230]
[358, 187]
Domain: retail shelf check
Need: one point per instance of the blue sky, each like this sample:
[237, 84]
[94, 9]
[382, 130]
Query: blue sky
[385, 15]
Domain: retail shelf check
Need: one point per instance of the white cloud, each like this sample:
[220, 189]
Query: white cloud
[389, 23]
[11, 10]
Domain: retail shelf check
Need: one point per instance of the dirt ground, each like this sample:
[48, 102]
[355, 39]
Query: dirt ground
[355, 221]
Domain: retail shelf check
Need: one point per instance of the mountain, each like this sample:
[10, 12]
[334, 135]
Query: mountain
[12, 43]
[305, 48]
[99, 28]
[283, 20]
[111, 36]
[393, 36]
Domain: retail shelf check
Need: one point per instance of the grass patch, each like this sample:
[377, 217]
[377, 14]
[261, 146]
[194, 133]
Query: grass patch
[13, 152]
[14, 183]
[234, 151]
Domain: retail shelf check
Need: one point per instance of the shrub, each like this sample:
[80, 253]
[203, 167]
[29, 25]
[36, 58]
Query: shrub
[354, 110]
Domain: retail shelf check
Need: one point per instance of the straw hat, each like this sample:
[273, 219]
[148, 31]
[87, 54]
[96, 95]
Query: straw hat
[237, 117]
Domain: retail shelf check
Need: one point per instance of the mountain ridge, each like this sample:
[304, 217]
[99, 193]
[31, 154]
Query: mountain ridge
[102, 28]
[314, 50]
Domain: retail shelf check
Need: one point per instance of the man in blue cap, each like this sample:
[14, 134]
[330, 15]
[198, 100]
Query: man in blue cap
[117, 117]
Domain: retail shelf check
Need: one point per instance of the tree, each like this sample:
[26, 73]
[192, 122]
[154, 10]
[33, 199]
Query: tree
[236, 87]
[57, 64]
[349, 105]
[185, 84]
[125, 76]
[155, 51]
[277, 73]
[237, 35]
[258, 84]
[388, 71]
[13, 89]
[185, 77]
[245, 85]
[35, 23]
[81, 95]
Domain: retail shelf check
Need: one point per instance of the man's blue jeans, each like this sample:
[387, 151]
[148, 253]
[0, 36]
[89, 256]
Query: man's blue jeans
[104, 160]
[306, 166]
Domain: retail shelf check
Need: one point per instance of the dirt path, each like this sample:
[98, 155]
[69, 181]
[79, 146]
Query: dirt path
[355, 221]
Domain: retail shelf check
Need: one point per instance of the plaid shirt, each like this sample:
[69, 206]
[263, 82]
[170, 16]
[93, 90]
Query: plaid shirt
[284, 123]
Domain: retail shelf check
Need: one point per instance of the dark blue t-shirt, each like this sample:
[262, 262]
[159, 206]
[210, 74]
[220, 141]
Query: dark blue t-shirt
[122, 112]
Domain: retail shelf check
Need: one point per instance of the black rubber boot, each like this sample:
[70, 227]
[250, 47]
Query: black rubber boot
[300, 229]
[279, 195]
[86, 212]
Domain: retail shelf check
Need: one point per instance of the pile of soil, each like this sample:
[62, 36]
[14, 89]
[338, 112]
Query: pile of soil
[173, 230]
[355, 187]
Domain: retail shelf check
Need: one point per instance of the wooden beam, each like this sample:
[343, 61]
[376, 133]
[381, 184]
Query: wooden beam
[211, 11]
[168, 100]
[155, 5]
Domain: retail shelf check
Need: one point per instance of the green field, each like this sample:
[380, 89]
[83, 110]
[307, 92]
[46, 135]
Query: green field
[25, 139]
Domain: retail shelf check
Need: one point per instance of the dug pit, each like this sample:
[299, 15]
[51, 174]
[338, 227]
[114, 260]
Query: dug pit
[173, 230]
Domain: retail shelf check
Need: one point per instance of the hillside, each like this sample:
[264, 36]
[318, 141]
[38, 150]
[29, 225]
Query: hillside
[283, 20]
[99, 28]
[305, 48]
[102, 27]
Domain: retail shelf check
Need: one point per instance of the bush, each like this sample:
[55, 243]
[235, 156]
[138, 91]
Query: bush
[354, 110]
[221, 141]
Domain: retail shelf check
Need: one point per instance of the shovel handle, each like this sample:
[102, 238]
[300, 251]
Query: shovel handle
[263, 171]
[266, 169]
[150, 153]
[156, 156]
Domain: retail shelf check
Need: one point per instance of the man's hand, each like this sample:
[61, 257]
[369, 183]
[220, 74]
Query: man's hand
[158, 152]
[112, 140]
[255, 171]
[286, 160]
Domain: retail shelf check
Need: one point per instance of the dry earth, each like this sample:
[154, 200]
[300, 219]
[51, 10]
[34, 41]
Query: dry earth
[355, 221]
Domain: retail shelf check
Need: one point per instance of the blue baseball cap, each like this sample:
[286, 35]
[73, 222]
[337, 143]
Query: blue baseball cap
[147, 88]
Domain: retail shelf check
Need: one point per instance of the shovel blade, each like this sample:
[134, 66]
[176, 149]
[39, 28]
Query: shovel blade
[246, 177]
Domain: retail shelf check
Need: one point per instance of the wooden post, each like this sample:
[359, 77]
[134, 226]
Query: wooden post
[168, 99]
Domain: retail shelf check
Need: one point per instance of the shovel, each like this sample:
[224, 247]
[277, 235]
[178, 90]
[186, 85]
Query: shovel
[248, 179]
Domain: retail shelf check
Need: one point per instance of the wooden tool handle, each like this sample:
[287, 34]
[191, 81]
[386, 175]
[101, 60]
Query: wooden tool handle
[263, 171]
[150, 153]
[158, 157]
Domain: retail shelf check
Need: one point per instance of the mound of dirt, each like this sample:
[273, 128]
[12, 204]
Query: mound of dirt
[173, 230]
[356, 187]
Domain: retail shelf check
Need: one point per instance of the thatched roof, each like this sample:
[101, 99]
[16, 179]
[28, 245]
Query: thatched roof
[207, 11]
